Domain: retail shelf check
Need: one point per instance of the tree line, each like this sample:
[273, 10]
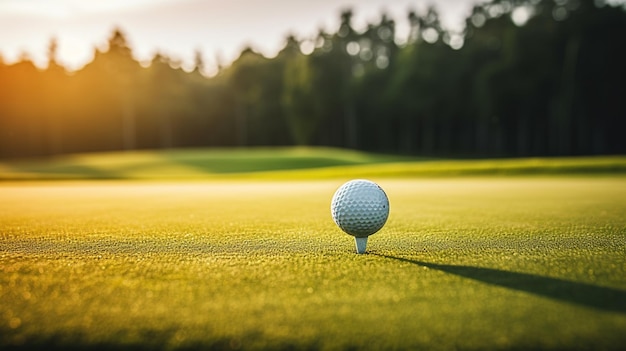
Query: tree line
[526, 77]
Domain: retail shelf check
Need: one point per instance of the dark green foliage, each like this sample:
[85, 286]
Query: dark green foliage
[553, 85]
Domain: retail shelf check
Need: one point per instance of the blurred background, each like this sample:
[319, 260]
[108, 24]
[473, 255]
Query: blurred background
[505, 78]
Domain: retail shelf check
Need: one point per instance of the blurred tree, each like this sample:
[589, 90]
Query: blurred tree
[22, 133]
[54, 101]
[124, 69]
[526, 77]
[166, 92]
[374, 106]
[198, 66]
[298, 97]
[417, 87]
[105, 99]
[334, 67]
[256, 84]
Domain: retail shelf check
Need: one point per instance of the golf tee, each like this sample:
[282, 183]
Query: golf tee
[361, 243]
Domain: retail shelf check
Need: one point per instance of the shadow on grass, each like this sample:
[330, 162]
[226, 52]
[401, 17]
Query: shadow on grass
[255, 164]
[588, 295]
[62, 169]
[149, 341]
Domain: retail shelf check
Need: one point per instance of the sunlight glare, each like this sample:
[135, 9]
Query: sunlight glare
[62, 9]
[307, 47]
[430, 35]
[521, 15]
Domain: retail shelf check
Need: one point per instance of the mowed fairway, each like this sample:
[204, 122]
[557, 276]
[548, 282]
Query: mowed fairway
[463, 263]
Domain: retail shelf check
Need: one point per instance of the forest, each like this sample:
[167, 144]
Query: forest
[508, 86]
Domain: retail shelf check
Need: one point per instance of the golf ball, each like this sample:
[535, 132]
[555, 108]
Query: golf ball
[360, 208]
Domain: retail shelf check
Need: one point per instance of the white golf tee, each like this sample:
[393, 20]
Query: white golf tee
[361, 243]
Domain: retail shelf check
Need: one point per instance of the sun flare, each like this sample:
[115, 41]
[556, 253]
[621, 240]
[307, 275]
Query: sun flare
[63, 9]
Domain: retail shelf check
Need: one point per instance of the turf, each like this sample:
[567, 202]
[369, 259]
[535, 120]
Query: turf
[463, 263]
[287, 163]
[190, 163]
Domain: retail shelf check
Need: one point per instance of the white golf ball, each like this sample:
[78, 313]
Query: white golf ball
[360, 208]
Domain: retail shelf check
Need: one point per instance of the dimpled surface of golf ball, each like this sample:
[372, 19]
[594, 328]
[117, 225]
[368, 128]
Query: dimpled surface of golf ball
[360, 207]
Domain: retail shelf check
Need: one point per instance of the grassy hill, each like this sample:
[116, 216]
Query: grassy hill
[286, 163]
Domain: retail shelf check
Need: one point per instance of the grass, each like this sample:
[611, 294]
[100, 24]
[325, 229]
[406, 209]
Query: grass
[477, 254]
[287, 163]
[463, 263]
[189, 163]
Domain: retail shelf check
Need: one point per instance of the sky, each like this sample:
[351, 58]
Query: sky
[178, 28]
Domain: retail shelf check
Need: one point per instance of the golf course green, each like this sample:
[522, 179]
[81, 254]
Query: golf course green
[476, 255]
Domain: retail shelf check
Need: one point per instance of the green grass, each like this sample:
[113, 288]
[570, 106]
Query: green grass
[189, 163]
[463, 263]
[286, 163]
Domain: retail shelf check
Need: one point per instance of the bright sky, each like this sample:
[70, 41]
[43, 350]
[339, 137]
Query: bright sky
[219, 29]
